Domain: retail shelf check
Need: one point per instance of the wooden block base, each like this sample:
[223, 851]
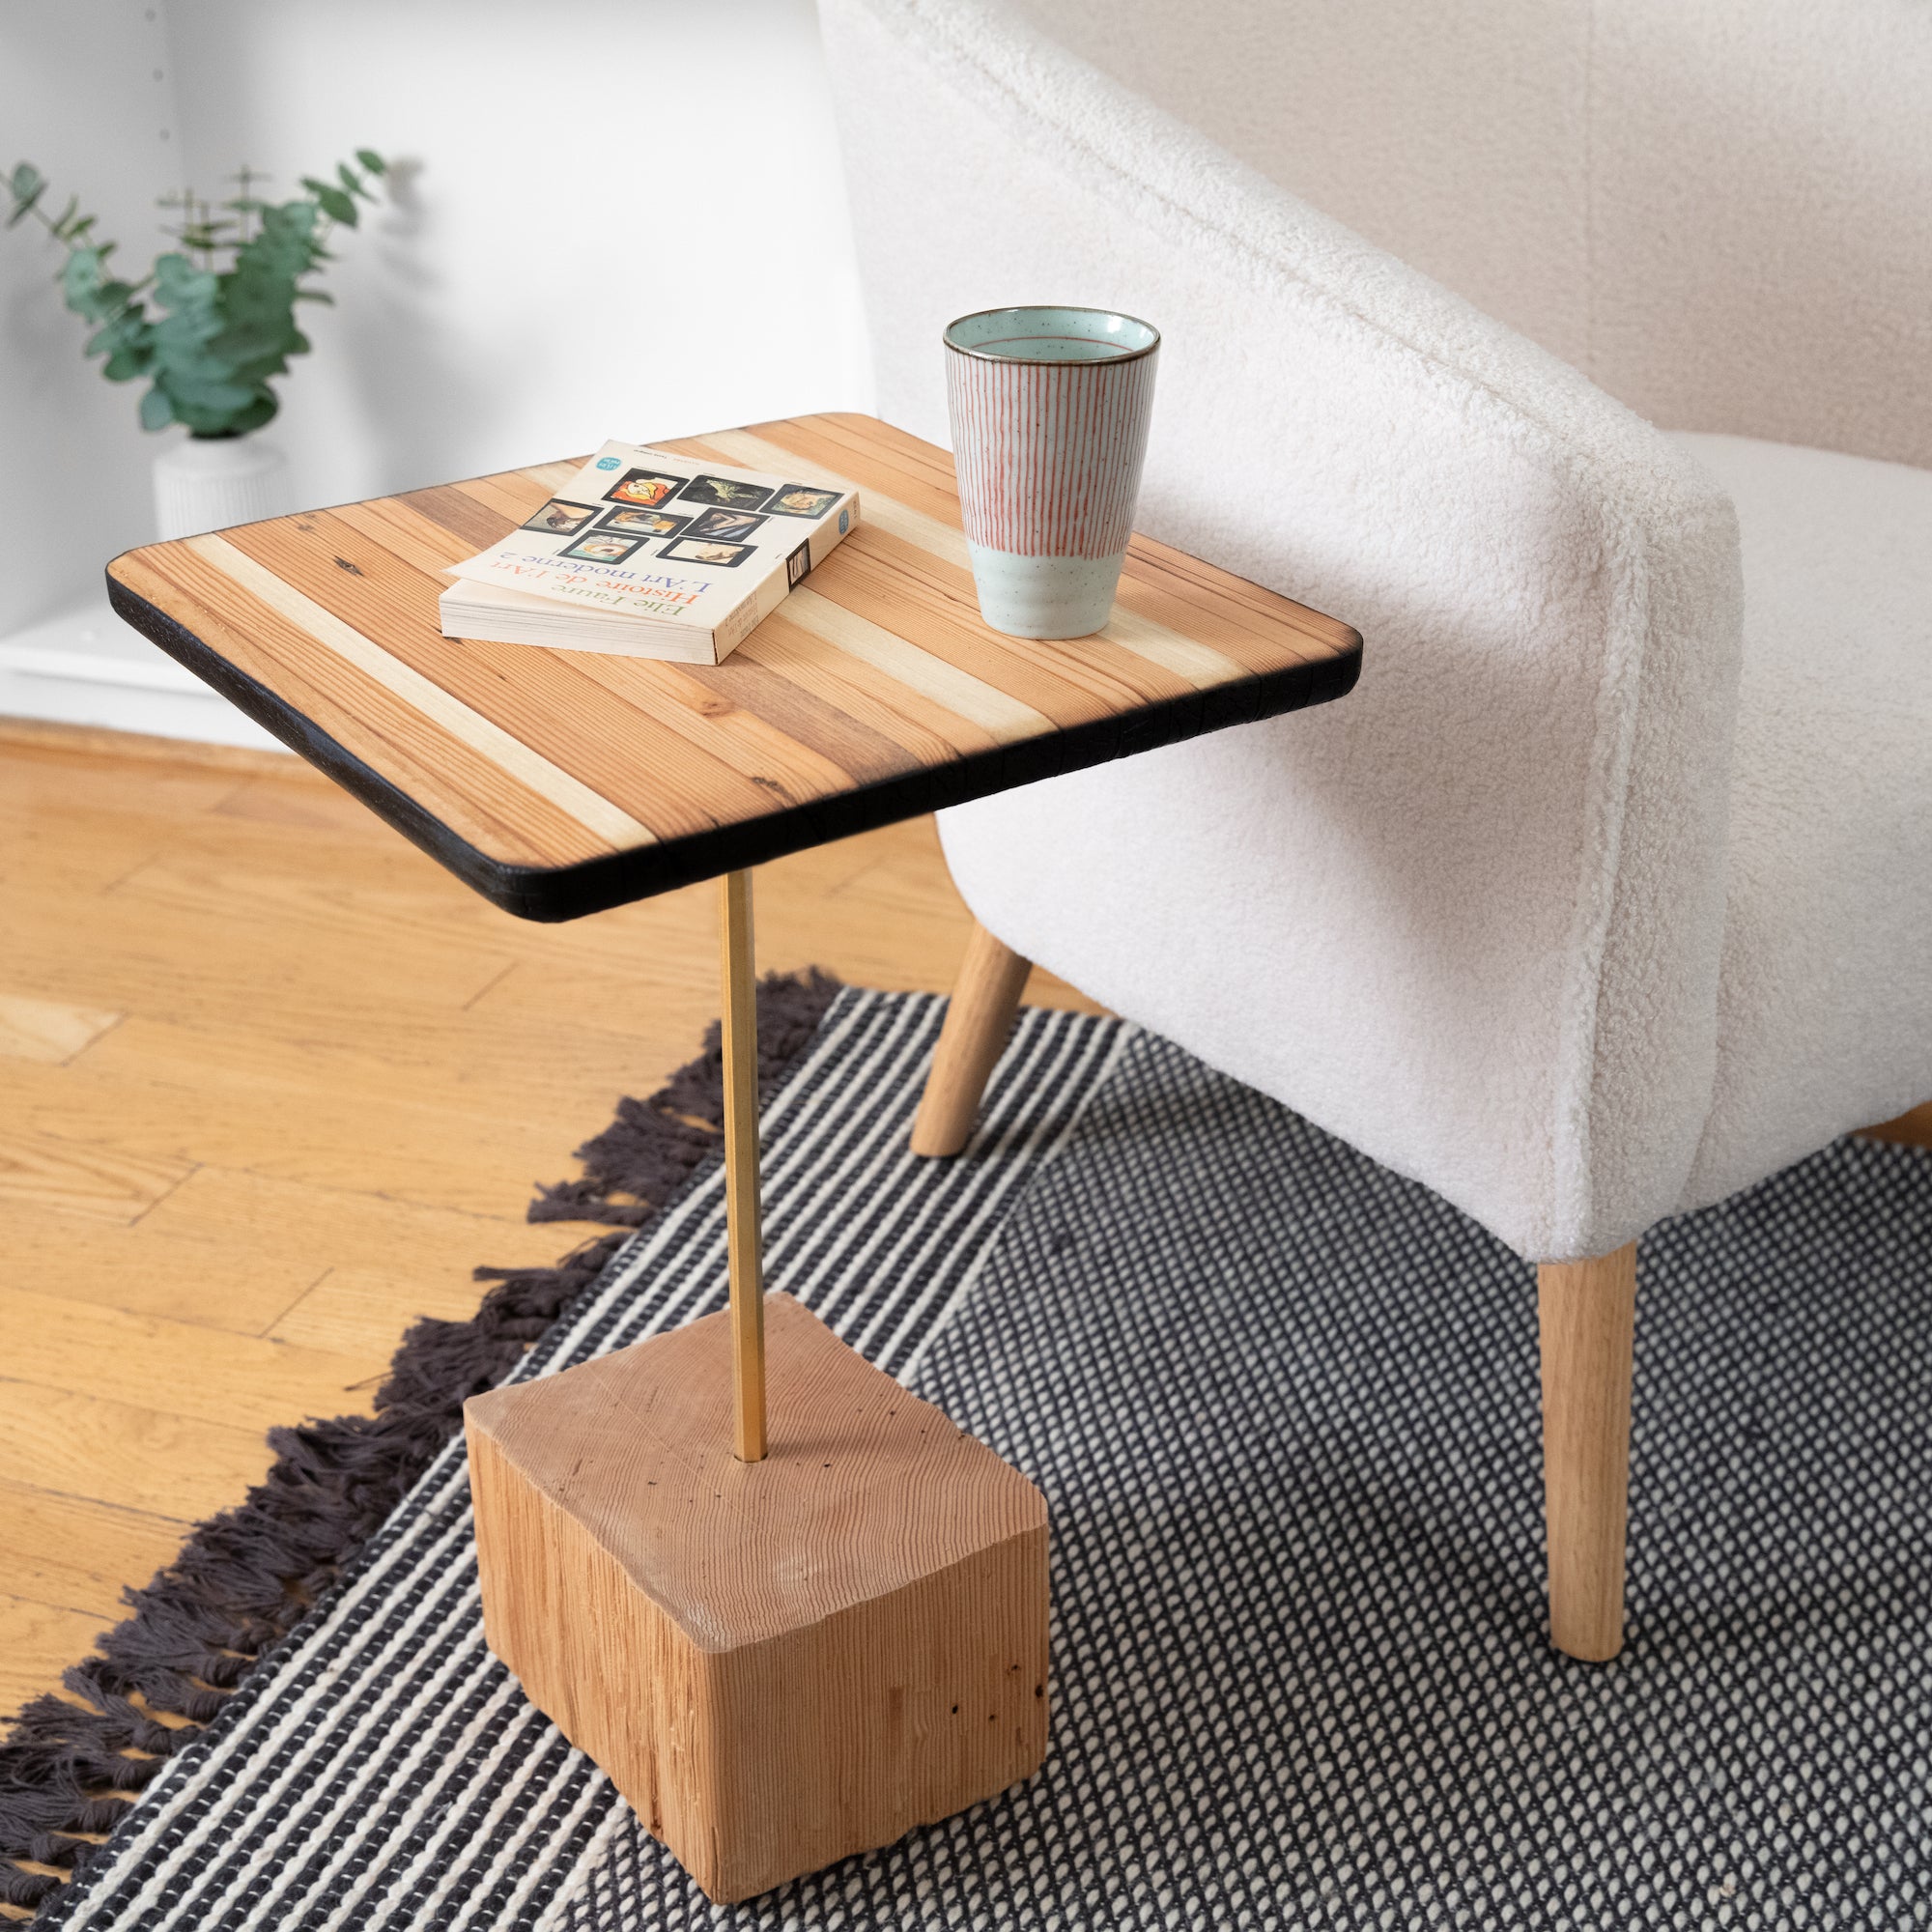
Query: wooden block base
[781, 1662]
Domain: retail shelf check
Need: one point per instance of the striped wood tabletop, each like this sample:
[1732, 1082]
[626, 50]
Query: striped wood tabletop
[559, 782]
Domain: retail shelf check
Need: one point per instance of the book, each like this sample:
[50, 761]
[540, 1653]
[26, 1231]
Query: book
[647, 554]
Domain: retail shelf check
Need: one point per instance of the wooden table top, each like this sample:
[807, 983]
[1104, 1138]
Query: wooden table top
[560, 782]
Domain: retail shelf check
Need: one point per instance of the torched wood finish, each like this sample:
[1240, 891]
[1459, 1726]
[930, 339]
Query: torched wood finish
[560, 782]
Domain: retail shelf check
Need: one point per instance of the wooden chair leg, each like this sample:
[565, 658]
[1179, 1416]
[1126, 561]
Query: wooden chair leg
[981, 1015]
[1586, 1315]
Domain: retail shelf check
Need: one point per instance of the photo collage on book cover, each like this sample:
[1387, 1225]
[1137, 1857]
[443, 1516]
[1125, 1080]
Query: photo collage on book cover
[697, 519]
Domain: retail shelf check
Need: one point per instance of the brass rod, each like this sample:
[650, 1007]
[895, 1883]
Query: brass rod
[741, 1170]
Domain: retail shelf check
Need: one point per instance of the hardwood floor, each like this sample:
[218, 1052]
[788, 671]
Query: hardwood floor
[271, 1083]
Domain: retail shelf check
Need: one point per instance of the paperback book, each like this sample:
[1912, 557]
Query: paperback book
[648, 554]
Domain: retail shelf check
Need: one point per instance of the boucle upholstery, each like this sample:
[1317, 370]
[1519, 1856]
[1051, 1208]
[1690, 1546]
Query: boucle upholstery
[1825, 996]
[1472, 917]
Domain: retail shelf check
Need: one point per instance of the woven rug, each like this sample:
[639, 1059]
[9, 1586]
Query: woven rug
[1283, 1405]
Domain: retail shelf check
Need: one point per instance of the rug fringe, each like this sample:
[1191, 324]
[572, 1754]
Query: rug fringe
[649, 1151]
[243, 1579]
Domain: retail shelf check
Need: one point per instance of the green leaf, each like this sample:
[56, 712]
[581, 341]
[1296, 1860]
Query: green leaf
[124, 335]
[128, 342]
[191, 292]
[314, 295]
[202, 390]
[351, 179]
[87, 291]
[293, 222]
[112, 299]
[261, 411]
[157, 413]
[372, 160]
[25, 182]
[24, 205]
[337, 205]
[231, 412]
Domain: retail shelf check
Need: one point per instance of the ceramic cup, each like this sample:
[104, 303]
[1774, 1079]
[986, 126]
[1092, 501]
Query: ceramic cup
[1050, 409]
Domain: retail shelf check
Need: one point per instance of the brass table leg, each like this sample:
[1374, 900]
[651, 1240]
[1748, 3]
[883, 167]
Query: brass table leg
[741, 1170]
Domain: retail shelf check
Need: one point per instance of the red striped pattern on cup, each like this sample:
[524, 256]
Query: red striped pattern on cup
[1049, 454]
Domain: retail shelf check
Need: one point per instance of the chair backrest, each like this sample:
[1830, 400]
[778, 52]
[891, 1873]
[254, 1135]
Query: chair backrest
[1719, 212]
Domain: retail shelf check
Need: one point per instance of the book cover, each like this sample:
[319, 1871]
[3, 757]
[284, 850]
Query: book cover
[652, 555]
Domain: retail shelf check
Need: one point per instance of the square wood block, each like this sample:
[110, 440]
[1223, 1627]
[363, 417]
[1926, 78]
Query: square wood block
[779, 1664]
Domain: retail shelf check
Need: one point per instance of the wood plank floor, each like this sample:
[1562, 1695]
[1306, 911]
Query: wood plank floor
[271, 1083]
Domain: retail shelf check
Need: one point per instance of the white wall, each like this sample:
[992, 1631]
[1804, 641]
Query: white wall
[613, 217]
[620, 217]
[86, 93]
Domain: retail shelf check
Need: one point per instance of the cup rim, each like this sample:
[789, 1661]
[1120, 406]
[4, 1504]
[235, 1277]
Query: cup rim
[1051, 361]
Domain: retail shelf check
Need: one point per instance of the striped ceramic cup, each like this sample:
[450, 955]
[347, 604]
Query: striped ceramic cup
[1050, 409]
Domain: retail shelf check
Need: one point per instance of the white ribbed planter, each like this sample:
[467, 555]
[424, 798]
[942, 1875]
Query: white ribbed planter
[207, 483]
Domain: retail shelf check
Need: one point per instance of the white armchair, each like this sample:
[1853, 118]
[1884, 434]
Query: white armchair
[1608, 890]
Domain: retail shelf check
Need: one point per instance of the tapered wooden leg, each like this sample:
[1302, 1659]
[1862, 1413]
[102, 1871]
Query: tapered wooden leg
[1913, 1129]
[984, 999]
[1586, 1314]
[742, 1230]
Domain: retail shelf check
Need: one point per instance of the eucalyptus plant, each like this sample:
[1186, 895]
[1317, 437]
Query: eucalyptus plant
[214, 321]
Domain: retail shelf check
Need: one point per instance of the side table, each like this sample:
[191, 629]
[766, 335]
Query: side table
[760, 1729]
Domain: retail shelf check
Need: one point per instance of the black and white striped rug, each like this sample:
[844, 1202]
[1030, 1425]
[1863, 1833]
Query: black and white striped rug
[1283, 1405]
